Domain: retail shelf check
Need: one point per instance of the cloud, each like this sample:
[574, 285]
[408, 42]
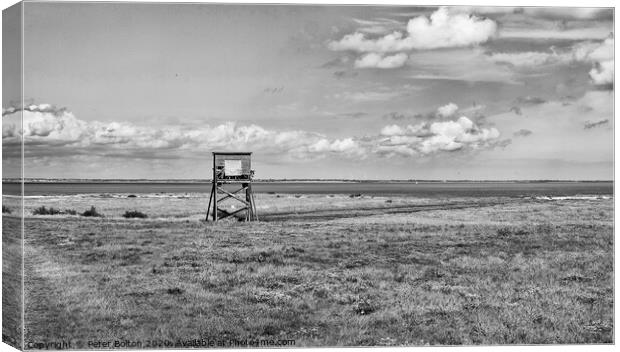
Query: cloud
[49, 135]
[354, 115]
[559, 129]
[375, 60]
[45, 129]
[368, 96]
[471, 65]
[428, 138]
[392, 130]
[447, 110]
[602, 73]
[588, 125]
[345, 74]
[529, 100]
[337, 62]
[442, 30]
[522, 133]
[378, 26]
[395, 116]
[525, 59]
[576, 13]
[600, 54]
[44, 108]
[346, 146]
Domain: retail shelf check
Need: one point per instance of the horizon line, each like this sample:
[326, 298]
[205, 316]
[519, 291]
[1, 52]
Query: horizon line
[51, 179]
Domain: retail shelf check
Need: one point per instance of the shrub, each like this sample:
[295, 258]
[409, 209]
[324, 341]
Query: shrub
[92, 212]
[70, 211]
[131, 196]
[134, 214]
[42, 210]
[5, 210]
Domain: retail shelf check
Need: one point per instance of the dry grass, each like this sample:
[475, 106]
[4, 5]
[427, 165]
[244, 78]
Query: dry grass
[11, 281]
[194, 206]
[521, 273]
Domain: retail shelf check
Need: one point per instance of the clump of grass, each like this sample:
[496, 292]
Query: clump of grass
[175, 291]
[364, 305]
[42, 210]
[5, 209]
[134, 214]
[92, 212]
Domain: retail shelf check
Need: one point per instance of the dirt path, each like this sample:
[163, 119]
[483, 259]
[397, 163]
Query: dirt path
[330, 214]
[41, 301]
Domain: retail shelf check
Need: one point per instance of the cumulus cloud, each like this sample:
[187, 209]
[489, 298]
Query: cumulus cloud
[429, 138]
[375, 60]
[447, 110]
[442, 29]
[392, 130]
[48, 133]
[44, 128]
[43, 108]
[346, 146]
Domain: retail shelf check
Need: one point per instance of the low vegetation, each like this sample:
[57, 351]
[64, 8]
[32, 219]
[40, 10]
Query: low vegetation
[92, 212]
[521, 273]
[6, 210]
[134, 214]
[42, 210]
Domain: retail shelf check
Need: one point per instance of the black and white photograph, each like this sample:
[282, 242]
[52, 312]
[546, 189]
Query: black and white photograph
[288, 175]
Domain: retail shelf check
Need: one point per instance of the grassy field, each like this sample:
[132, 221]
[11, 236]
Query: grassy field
[11, 281]
[517, 272]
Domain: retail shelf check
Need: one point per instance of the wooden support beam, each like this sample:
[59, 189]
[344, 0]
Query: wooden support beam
[231, 195]
[227, 213]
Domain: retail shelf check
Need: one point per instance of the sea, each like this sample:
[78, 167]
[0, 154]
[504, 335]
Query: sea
[375, 188]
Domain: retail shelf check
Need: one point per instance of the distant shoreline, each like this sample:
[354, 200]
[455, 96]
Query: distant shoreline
[199, 181]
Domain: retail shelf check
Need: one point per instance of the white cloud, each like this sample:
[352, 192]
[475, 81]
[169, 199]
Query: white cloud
[449, 30]
[62, 127]
[435, 137]
[442, 30]
[43, 130]
[392, 130]
[346, 146]
[47, 133]
[375, 60]
[447, 110]
[603, 73]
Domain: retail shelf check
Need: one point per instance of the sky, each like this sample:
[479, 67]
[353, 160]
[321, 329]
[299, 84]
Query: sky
[136, 90]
